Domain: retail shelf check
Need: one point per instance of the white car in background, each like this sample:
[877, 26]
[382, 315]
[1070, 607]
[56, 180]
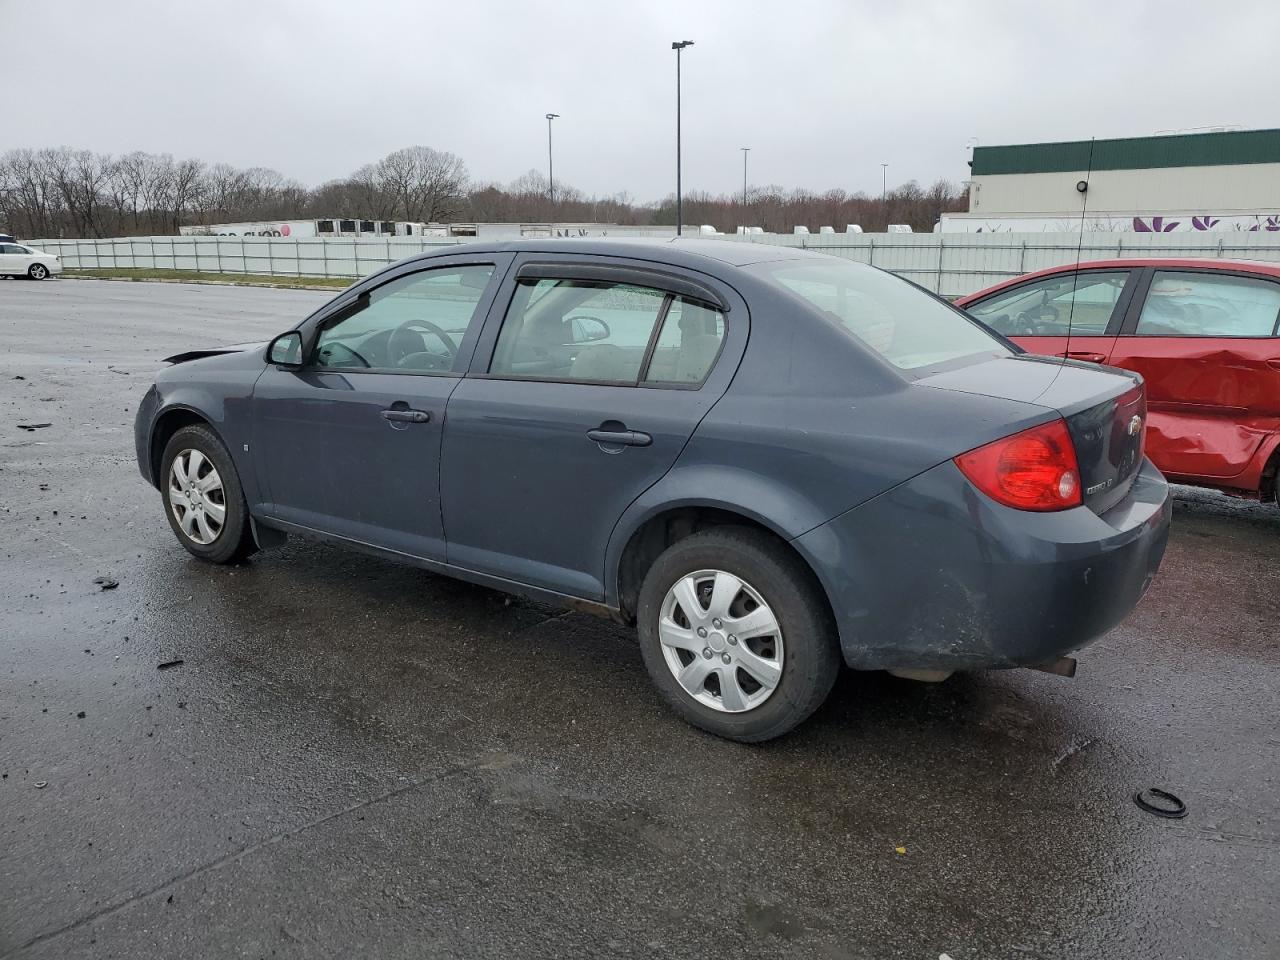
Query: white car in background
[19, 261]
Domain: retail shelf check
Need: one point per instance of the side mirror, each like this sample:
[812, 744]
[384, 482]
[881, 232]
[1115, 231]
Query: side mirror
[588, 329]
[286, 350]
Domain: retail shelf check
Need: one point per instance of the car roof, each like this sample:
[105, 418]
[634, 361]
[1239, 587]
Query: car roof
[676, 251]
[1260, 267]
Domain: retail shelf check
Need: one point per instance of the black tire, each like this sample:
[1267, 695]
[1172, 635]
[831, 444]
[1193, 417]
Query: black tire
[811, 658]
[38, 271]
[234, 541]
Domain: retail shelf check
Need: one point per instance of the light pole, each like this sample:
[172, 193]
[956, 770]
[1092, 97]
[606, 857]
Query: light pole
[745, 151]
[551, 170]
[677, 46]
[884, 181]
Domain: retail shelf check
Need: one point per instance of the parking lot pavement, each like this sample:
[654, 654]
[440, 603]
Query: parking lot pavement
[362, 759]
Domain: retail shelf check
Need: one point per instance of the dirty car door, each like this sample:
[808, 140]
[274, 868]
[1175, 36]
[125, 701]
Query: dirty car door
[349, 444]
[588, 381]
[1205, 341]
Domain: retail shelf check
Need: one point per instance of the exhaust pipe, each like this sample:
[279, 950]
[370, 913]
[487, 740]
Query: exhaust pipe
[1062, 667]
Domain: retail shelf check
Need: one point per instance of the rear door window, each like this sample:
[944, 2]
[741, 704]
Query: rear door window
[687, 344]
[1209, 305]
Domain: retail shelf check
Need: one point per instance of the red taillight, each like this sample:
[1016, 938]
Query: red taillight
[1032, 470]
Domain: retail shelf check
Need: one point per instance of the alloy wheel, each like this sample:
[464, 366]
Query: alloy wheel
[196, 497]
[721, 641]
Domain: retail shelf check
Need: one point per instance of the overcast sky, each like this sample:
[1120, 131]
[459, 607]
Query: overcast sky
[823, 91]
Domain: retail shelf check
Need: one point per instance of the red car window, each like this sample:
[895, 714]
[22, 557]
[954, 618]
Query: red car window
[1205, 305]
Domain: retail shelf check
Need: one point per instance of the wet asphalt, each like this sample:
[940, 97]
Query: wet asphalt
[358, 759]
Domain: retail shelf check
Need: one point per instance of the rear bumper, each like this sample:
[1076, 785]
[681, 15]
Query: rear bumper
[934, 575]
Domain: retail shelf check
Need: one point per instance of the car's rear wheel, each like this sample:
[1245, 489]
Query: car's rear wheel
[736, 634]
[203, 499]
[37, 271]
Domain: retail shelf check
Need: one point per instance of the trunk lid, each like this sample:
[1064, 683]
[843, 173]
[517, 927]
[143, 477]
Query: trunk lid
[1105, 409]
[1109, 439]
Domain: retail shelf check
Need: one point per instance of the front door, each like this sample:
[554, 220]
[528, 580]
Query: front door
[349, 444]
[1206, 344]
[1075, 315]
[582, 394]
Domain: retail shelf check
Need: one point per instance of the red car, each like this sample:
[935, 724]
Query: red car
[1203, 333]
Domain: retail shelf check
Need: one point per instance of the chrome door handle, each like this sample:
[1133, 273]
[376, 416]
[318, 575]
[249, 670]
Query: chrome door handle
[627, 438]
[407, 416]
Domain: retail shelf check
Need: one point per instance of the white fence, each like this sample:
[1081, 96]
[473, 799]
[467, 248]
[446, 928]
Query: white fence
[950, 264]
[956, 264]
[273, 256]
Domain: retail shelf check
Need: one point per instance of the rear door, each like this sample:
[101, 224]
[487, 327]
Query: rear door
[1070, 314]
[590, 377]
[1205, 342]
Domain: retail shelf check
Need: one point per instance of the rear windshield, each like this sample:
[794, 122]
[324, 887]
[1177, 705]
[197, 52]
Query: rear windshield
[902, 323]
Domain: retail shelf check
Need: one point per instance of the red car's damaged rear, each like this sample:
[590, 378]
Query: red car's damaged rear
[1204, 336]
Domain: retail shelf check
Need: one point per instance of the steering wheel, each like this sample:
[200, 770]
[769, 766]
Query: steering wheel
[1035, 321]
[399, 353]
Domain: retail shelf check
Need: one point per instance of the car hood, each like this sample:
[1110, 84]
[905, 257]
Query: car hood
[215, 352]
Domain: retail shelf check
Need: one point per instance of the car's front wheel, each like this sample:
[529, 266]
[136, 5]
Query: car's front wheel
[203, 498]
[736, 634]
[37, 271]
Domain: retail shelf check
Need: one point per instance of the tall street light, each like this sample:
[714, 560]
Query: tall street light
[745, 151]
[677, 46]
[884, 181]
[551, 170]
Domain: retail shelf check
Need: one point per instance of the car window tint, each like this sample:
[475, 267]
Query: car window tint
[687, 344]
[577, 330]
[414, 323]
[897, 320]
[1205, 305]
[1081, 302]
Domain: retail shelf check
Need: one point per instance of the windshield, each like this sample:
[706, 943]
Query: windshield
[900, 322]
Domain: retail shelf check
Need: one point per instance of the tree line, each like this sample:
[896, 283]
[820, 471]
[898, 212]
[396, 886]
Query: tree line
[64, 192]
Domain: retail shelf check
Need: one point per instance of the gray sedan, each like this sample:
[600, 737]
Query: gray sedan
[769, 461]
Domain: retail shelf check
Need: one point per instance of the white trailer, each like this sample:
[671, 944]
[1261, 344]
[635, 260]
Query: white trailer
[328, 227]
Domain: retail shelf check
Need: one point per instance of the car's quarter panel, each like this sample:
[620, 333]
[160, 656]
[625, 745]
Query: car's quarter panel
[935, 575]
[814, 425]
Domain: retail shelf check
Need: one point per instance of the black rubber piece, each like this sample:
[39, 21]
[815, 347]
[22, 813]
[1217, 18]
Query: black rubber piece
[1176, 812]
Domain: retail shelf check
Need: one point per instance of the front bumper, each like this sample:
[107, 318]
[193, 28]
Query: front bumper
[934, 575]
[143, 423]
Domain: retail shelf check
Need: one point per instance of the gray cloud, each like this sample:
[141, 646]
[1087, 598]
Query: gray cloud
[823, 91]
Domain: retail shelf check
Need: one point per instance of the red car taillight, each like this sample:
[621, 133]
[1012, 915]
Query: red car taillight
[1032, 470]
